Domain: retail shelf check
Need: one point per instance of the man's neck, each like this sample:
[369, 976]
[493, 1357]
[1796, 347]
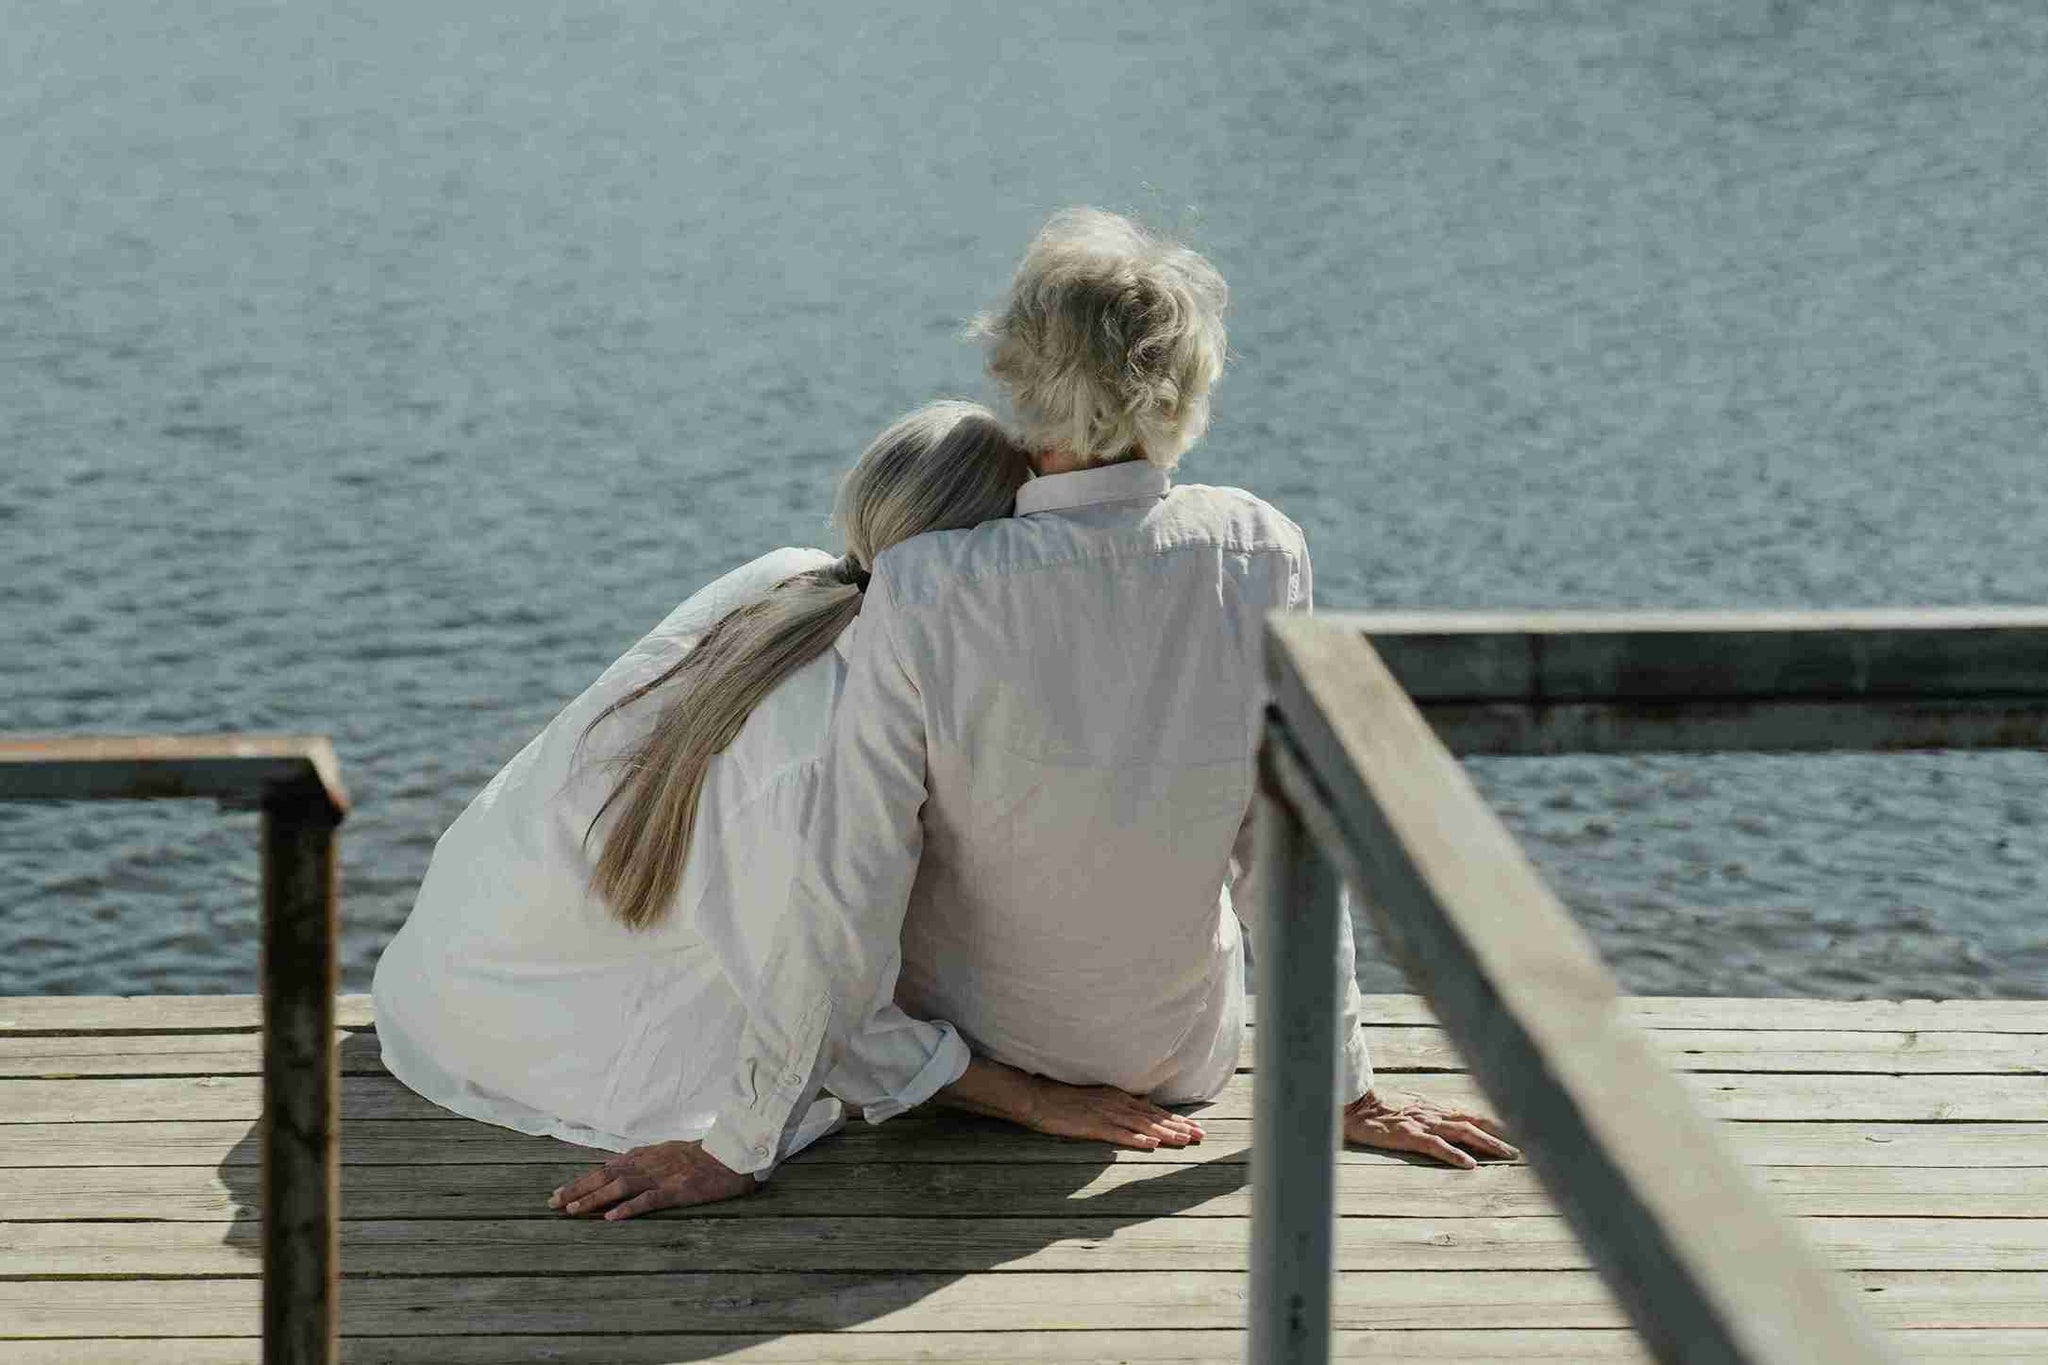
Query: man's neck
[1046, 462]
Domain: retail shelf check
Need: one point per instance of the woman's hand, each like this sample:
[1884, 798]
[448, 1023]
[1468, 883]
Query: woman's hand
[1409, 1123]
[662, 1175]
[1099, 1113]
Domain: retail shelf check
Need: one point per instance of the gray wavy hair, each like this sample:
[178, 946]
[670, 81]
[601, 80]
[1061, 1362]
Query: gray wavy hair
[1110, 340]
[949, 464]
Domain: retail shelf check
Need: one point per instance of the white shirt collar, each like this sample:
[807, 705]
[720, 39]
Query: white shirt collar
[1103, 483]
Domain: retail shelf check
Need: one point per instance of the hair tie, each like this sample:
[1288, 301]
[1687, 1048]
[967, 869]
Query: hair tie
[848, 571]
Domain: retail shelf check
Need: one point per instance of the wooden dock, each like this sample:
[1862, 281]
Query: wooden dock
[1911, 1138]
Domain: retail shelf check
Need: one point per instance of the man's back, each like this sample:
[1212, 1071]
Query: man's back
[1088, 675]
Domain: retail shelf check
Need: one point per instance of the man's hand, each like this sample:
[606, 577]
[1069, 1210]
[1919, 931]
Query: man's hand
[1097, 1113]
[1409, 1123]
[663, 1175]
[1103, 1113]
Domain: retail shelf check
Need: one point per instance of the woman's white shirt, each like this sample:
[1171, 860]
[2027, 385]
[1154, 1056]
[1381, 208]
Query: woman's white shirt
[513, 995]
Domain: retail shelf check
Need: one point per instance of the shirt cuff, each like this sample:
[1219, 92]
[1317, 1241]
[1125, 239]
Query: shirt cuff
[948, 1064]
[1357, 1067]
[748, 1137]
[736, 1152]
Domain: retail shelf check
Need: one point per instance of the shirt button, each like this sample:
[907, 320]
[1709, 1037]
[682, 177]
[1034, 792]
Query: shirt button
[760, 1149]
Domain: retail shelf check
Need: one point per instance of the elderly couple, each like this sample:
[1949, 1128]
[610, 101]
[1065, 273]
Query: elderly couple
[953, 819]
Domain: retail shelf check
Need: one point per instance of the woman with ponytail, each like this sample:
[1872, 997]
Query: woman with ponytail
[590, 931]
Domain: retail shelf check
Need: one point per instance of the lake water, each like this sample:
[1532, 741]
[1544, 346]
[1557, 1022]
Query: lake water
[383, 369]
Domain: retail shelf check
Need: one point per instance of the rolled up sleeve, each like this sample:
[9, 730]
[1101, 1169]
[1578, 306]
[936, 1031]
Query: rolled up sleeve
[894, 1062]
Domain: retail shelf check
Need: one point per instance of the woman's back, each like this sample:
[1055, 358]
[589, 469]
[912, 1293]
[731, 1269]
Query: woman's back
[514, 994]
[511, 876]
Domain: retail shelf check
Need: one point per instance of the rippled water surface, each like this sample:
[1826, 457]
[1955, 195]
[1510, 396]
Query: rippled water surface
[383, 369]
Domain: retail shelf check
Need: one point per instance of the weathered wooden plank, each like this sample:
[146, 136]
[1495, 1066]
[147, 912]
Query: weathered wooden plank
[1689, 658]
[968, 1191]
[48, 1057]
[1021, 1301]
[152, 1014]
[1549, 683]
[233, 769]
[189, 1097]
[1741, 1012]
[948, 1140]
[1889, 1144]
[1985, 1016]
[531, 1246]
[1859, 725]
[1397, 1049]
[1217, 1347]
[1402, 1049]
[1214, 1347]
[836, 1245]
[213, 1142]
[1708, 1269]
[1381, 1299]
[1849, 1098]
[1835, 1051]
[1379, 1187]
[62, 1014]
[1871, 1098]
[1440, 1346]
[648, 1245]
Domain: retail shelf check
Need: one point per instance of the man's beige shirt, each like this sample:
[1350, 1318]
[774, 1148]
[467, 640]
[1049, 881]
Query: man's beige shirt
[1037, 770]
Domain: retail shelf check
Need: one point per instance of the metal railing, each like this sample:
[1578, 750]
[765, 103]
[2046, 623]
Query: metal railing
[295, 781]
[1359, 782]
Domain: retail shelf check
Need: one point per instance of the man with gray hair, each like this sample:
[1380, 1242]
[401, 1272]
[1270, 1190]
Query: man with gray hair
[1044, 754]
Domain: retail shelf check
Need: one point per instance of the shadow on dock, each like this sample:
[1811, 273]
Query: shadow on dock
[445, 1230]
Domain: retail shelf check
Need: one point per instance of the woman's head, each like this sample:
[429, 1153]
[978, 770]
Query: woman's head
[947, 465]
[944, 466]
[1109, 341]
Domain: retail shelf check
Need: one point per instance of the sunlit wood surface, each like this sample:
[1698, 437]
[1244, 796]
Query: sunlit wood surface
[1911, 1137]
